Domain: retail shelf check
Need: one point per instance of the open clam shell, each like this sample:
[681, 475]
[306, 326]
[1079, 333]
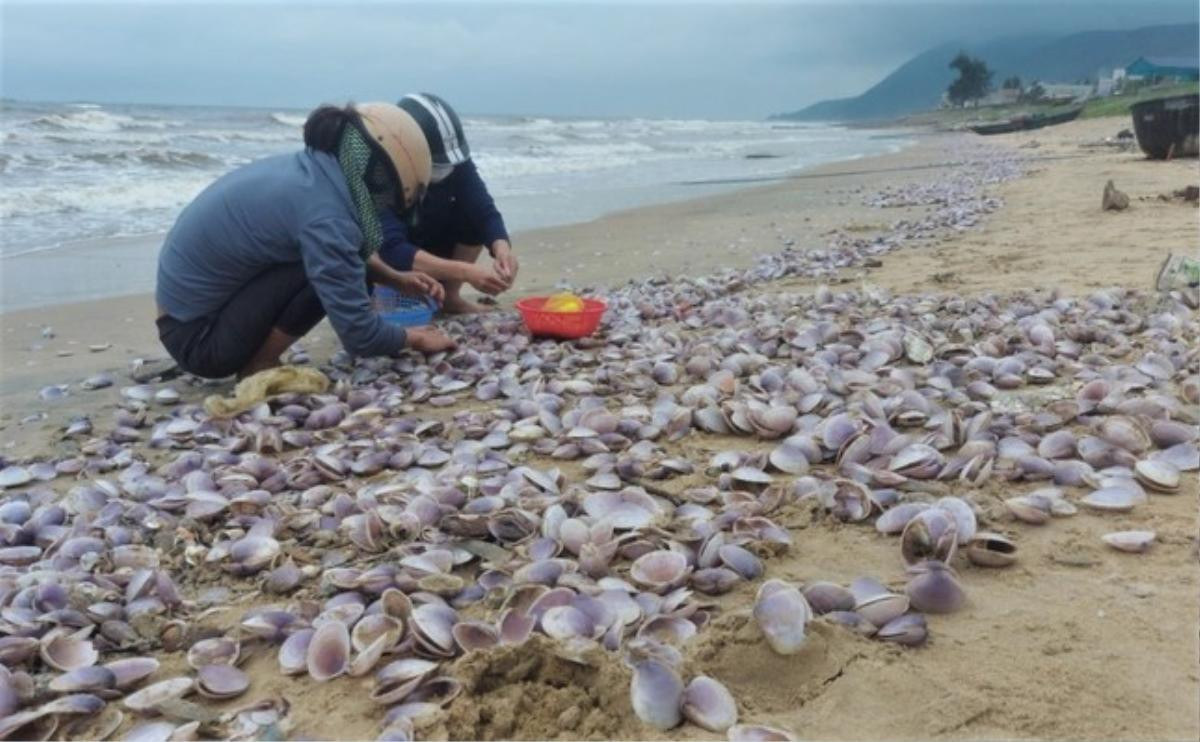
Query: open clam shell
[67, 652]
[1124, 432]
[516, 626]
[714, 580]
[284, 578]
[433, 626]
[293, 653]
[221, 681]
[790, 456]
[152, 695]
[783, 615]
[659, 570]
[741, 560]
[1167, 433]
[709, 705]
[440, 691]
[824, 597]
[751, 475]
[1134, 542]
[328, 654]
[473, 635]
[1029, 509]
[875, 602]
[1157, 476]
[963, 515]
[218, 650]
[370, 629]
[1117, 498]
[908, 630]
[398, 680]
[774, 421]
[1182, 456]
[894, 519]
[366, 658]
[934, 589]
[129, 671]
[851, 501]
[656, 692]
[991, 550]
[269, 625]
[567, 622]
[76, 703]
[931, 534]
[91, 679]
[625, 509]
[853, 621]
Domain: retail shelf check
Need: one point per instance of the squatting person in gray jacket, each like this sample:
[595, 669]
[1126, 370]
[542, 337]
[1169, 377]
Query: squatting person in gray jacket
[266, 251]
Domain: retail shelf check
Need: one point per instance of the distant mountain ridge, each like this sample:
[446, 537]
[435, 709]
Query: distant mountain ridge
[918, 84]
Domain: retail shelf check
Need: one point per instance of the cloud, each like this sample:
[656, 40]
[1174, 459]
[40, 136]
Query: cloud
[739, 60]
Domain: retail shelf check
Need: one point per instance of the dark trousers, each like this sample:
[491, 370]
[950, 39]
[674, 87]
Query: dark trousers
[222, 343]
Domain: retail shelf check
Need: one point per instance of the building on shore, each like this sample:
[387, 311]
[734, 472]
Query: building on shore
[1163, 68]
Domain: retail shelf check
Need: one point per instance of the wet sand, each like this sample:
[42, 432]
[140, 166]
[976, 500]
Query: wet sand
[1076, 641]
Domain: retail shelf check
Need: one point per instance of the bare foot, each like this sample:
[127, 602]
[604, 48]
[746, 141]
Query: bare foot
[456, 304]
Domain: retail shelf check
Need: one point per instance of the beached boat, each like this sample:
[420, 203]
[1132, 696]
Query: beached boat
[1004, 127]
[1025, 123]
[1168, 127]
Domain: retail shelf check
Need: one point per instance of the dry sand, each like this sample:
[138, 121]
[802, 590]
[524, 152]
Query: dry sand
[1075, 641]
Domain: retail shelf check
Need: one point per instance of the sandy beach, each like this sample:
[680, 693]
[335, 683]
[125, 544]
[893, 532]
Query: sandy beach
[1074, 641]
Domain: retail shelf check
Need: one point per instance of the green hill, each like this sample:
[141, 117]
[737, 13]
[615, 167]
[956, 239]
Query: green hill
[918, 84]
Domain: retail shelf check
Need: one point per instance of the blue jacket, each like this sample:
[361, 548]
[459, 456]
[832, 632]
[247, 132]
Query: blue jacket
[462, 195]
[282, 209]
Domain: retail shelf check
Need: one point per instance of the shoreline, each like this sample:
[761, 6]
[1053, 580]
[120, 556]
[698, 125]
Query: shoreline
[75, 261]
[92, 268]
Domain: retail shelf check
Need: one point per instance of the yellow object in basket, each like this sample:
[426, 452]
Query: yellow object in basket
[565, 303]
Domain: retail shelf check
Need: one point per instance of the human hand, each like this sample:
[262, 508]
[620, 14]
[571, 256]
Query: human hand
[505, 262]
[416, 283]
[485, 280]
[429, 339]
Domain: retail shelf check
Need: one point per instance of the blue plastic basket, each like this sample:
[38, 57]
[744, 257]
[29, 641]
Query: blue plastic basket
[406, 311]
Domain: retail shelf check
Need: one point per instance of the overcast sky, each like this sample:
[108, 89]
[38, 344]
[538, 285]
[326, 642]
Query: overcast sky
[713, 59]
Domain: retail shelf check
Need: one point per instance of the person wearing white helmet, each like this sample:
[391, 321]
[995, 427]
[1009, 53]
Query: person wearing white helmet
[267, 250]
[458, 218]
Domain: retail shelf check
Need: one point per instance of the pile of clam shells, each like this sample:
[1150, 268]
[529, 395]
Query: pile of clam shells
[426, 508]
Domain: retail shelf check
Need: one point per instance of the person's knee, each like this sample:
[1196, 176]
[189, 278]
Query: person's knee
[301, 314]
[210, 367]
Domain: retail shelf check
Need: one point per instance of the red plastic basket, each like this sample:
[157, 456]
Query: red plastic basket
[565, 325]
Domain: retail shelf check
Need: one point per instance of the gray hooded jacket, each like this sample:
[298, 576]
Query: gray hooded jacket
[282, 209]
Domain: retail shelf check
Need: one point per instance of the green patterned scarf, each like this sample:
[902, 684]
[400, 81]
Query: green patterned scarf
[354, 155]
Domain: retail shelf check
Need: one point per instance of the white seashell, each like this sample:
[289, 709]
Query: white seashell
[709, 705]
[1134, 542]
[783, 614]
[656, 692]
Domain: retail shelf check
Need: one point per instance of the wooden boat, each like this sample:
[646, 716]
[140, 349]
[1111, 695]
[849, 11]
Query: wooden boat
[1168, 127]
[1004, 127]
[1026, 123]
[1058, 118]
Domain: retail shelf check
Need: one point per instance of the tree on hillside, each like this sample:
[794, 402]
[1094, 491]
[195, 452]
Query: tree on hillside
[1012, 83]
[974, 80]
[1034, 94]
